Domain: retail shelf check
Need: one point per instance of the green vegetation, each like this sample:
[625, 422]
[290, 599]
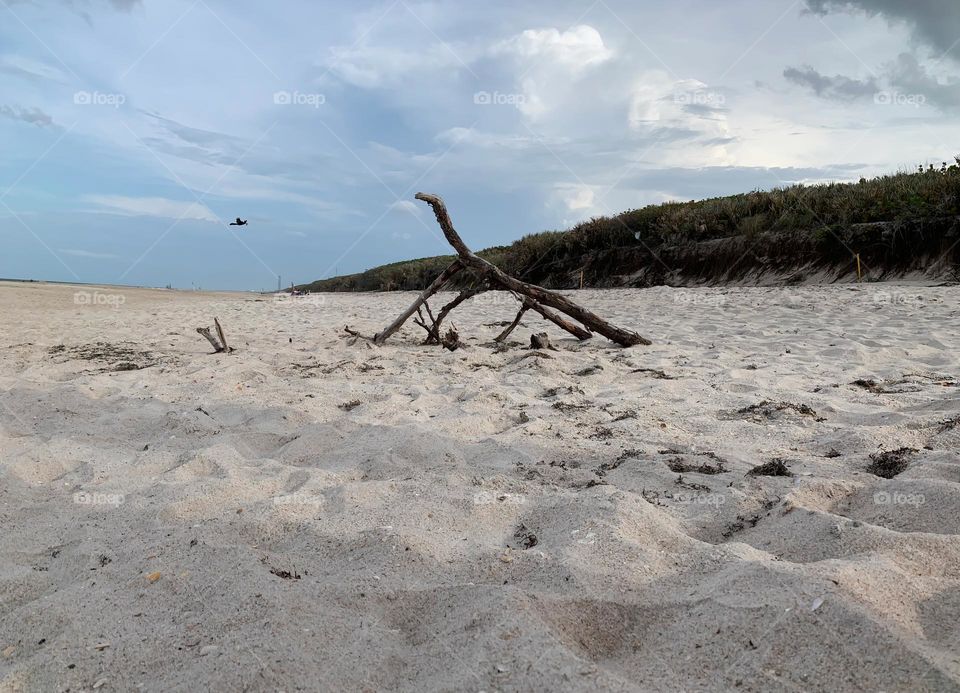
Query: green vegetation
[906, 221]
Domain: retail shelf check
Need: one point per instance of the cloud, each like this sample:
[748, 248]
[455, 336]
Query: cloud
[373, 67]
[838, 87]
[30, 69]
[79, 7]
[152, 207]
[125, 5]
[576, 197]
[485, 140]
[34, 116]
[88, 254]
[935, 23]
[406, 207]
[577, 48]
[915, 85]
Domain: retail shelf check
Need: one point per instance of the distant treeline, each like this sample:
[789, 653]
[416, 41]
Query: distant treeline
[908, 223]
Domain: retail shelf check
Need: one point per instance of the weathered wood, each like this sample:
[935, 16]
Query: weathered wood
[541, 340]
[433, 335]
[512, 326]
[445, 311]
[437, 284]
[577, 331]
[205, 331]
[221, 336]
[539, 294]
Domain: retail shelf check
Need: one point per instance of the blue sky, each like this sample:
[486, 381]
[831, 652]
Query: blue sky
[133, 130]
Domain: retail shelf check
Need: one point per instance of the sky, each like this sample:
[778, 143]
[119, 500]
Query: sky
[133, 131]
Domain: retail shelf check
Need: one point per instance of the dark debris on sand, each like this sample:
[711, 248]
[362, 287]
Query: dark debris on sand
[775, 467]
[889, 463]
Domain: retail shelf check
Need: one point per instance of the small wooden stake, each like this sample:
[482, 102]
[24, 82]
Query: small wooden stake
[220, 335]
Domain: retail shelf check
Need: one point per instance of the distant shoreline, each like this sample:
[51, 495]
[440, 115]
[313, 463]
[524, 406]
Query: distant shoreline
[9, 280]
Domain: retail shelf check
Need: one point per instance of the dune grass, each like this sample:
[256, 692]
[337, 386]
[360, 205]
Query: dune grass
[818, 213]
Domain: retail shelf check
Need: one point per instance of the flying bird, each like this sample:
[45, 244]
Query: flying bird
[238, 222]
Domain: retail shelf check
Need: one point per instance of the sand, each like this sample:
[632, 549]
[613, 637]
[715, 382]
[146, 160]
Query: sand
[312, 514]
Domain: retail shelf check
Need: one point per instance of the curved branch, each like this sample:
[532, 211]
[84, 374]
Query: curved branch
[539, 294]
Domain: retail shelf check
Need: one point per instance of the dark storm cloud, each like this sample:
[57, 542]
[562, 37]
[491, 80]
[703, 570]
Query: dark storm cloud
[933, 22]
[910, 79]
[838, 87]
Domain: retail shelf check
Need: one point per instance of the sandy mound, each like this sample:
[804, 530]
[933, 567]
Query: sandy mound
[707, 513]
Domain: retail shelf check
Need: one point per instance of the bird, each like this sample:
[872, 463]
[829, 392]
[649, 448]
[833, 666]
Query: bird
[238, 222]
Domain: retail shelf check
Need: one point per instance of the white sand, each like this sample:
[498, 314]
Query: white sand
[407, 516]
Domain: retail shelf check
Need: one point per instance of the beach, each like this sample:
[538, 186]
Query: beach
[311, 512]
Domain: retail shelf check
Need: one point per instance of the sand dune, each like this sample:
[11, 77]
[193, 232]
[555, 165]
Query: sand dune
[307, 513]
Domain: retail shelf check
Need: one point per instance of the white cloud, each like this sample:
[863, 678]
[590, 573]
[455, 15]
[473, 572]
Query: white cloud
[406, 207]
[576, 49]
[578, 197]
[373, 67]
[152, 207]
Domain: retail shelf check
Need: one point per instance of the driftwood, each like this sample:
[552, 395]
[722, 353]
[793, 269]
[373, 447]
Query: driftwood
[437, 284]
[512, 326]
[532, 297]
[541, 340]
[219, 343]
[445, 311]
[221, 336]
